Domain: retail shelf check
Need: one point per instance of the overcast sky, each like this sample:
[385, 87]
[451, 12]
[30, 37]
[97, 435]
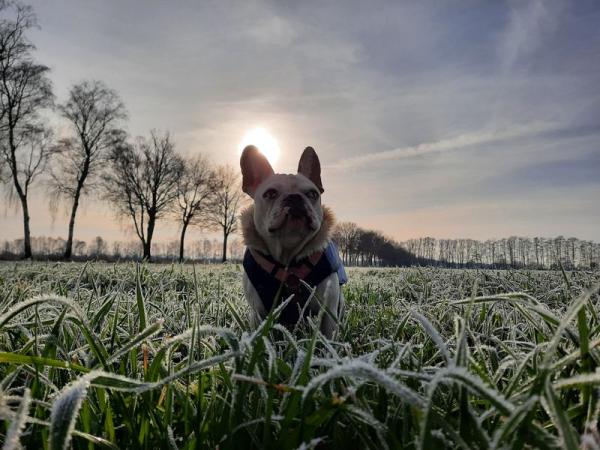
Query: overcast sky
[449, 119]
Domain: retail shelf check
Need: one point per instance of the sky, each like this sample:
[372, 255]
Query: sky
[448, 119]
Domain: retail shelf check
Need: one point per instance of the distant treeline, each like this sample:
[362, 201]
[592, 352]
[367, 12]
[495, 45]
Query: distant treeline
[360, 247]
[51, 248]
[514, 251]
[357, 246]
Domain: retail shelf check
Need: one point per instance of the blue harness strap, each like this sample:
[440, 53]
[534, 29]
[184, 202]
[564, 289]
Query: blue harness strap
[333, 256]
[267, 286]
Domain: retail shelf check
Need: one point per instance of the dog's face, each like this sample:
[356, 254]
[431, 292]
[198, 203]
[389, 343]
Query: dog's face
[287, 208]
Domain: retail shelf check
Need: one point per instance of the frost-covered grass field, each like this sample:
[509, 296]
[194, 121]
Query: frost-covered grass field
[116, 356]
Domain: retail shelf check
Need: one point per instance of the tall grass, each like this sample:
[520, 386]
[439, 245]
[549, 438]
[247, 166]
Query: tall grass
[119, 356]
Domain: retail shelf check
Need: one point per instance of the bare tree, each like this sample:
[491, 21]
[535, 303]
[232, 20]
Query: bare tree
[367, 247]
[142, 183]
[194, 190]
[24, 90]
[226, 204]
[93, 111]
[346, 236]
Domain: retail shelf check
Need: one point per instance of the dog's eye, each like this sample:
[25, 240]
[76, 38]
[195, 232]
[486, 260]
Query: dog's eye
[313, 195]
[270, 194]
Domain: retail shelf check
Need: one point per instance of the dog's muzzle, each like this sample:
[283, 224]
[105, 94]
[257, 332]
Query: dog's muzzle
[295, 203]
[293, 213]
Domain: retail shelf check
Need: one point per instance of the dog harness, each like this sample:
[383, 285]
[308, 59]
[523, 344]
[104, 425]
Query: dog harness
[269, 278]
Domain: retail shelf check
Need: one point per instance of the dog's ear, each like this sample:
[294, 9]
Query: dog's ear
[310, 167]
[255, 169]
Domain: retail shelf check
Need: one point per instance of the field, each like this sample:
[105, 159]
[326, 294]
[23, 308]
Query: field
[126, 356]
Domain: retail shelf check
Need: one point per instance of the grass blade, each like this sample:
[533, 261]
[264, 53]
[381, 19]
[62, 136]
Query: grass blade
[65, 409]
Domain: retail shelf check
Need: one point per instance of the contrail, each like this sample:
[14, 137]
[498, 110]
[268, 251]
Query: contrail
[454, 143]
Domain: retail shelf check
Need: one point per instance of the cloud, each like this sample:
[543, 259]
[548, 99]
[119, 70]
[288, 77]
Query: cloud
[528, 25]
[462, 141]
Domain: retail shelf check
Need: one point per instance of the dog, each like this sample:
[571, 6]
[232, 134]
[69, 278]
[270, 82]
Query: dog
[288, 248]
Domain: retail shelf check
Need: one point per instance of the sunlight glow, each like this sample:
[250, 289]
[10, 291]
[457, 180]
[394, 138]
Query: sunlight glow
[266, 143]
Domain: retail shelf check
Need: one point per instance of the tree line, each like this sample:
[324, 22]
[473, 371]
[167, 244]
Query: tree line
[514, 251]
[358, 247]
[145, 179]
[98, 248]
[362, 247]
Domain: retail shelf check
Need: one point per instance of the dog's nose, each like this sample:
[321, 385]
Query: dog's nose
[295, 203]
[293, 200]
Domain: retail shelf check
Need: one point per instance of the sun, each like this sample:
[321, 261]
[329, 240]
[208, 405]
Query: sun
[265, 142]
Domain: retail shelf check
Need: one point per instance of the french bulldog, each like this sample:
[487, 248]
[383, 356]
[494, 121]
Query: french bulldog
[288, 248]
